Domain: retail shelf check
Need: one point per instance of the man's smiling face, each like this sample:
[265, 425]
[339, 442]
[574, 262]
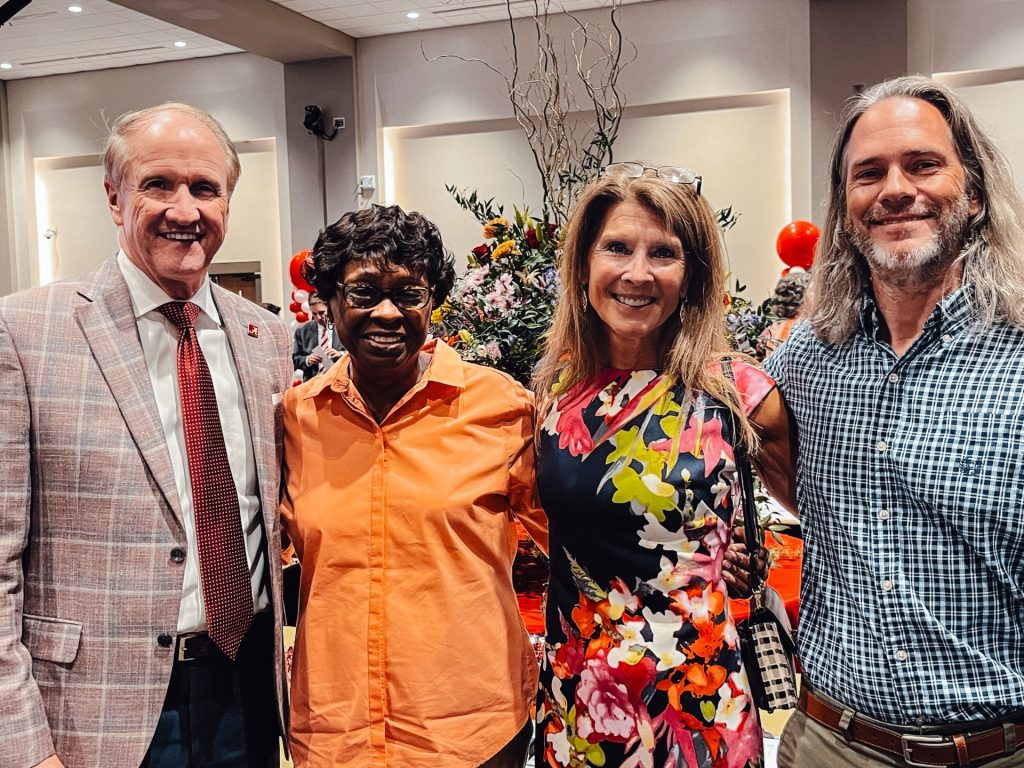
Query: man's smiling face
[906, 200]
[171, 205]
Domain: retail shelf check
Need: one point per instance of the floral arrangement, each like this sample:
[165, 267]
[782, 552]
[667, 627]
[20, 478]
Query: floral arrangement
[499, 310]
[746, 323]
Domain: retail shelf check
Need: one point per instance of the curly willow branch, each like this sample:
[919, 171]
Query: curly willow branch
[569, 144]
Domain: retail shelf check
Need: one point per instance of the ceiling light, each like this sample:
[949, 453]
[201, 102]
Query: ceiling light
[5, 65]
[180, 43]
[75, 8]
[412, 15]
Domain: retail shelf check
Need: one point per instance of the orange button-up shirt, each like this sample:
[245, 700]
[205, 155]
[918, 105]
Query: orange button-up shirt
[410, 650]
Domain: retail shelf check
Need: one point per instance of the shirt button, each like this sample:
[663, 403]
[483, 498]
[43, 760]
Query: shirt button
[947, 338]
[164, 640]
[894, 377]
[177, 555]
[900, 655]
[883, 514]
[881, 445]
[887, 585]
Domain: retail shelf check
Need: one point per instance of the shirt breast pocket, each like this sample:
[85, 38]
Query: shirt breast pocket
[981, 458]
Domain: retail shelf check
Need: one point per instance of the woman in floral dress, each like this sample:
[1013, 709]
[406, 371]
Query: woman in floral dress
[640, 415]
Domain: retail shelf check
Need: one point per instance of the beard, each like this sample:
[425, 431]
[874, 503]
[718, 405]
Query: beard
[907, 266]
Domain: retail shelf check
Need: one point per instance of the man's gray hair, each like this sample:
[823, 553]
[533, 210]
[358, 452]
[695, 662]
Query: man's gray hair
[116, 155]
[992, 260]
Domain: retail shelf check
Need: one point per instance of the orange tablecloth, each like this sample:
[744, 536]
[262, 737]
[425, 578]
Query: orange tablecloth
[784, 576]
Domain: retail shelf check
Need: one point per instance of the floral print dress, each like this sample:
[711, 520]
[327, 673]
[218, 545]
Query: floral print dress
[641, 662]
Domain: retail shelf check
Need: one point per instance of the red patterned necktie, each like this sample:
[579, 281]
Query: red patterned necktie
[223, 568]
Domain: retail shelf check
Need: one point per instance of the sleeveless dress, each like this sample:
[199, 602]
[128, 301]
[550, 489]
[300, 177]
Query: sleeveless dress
[641, 662]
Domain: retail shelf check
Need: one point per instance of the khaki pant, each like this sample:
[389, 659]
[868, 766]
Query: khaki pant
[807, 744]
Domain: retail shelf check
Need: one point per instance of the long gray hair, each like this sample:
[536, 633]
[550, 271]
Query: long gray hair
[992, 260]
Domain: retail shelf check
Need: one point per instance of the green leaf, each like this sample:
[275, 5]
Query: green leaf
[595, 755]
[708, 710]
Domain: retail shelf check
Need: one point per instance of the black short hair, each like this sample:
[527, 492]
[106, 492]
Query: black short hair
[387, 236]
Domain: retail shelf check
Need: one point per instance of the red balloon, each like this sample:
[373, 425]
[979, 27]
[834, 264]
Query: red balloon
[295, 307]
[302, 317]
[295, 271]
[796, 242]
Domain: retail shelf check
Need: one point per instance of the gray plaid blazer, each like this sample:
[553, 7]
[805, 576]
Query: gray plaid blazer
[89, 514]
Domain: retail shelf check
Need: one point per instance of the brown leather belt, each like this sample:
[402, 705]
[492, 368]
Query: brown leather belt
[958, 749]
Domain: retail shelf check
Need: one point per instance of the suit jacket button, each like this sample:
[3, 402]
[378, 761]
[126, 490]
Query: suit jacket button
[164, 640]
[177, 555]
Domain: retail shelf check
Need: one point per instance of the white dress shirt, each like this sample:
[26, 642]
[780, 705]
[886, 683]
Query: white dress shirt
[159, 338]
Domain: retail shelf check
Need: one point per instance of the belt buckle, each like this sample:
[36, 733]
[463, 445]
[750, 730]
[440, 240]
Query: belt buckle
[908, 739]
[182, 639]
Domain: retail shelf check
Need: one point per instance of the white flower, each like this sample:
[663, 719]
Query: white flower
[654, 535]
[670, 578]
[559, 742]
[664, 644]
[730, 708]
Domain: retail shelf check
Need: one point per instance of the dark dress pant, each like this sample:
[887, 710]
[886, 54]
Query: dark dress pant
[220, 713]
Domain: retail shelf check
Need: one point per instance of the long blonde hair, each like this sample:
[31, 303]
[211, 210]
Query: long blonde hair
[693, 340]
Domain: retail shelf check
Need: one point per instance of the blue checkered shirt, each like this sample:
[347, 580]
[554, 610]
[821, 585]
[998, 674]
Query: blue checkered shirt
[910, 486]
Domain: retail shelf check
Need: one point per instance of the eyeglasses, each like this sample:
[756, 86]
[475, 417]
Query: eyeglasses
[674, 173]
[364, 296]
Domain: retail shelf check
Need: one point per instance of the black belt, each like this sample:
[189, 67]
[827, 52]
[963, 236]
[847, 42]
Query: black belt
[918, 750]
[196, 645]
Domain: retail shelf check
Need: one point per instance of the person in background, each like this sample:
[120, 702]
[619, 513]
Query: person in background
[271, 308]
[641, 412]
[316, 347]
[906, 385]
[404, 469]
[787, 299]
[139, 538]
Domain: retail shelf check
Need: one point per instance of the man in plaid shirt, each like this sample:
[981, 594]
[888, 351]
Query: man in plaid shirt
[907, 388]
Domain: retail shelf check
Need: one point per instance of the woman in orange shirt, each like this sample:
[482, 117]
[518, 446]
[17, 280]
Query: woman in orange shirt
[404, 469]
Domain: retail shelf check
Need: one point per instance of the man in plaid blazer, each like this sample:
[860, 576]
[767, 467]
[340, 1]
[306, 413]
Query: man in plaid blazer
[102, 629]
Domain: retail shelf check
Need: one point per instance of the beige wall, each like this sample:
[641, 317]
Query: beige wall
[700, 63]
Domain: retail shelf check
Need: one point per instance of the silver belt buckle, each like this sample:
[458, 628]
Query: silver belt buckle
[908, 739]
[181, 645]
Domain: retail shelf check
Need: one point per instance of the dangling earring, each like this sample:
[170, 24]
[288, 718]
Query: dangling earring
[682, 311]
[583, 300]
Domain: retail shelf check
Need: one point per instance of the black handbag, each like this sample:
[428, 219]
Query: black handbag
[766, 636]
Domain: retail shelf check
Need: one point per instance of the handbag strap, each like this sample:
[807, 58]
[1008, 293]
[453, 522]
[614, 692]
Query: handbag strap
[751, 529]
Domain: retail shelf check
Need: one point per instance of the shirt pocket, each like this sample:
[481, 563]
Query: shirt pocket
[973, 463]
[49, 639]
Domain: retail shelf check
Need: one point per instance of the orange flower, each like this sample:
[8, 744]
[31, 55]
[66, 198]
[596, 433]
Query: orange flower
[503, 249]
[494, 226]
[703, 681]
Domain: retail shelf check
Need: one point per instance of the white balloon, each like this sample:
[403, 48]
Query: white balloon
[305, 307]
[300, 295]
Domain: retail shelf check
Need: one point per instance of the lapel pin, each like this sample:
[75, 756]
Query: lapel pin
[254, 331]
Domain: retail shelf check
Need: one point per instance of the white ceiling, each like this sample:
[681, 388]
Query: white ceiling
[46, 38]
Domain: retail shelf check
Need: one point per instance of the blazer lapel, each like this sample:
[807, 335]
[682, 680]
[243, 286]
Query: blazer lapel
[108, 323]
[246, 350]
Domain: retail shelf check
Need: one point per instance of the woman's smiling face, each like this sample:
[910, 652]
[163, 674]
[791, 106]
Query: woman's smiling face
[636, 280]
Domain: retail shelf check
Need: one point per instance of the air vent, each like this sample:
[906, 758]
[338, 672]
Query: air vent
[478, 7]
[89, 56]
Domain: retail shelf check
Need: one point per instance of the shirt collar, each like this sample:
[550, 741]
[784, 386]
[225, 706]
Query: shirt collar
[445, 369]
[147, 296]
[952, 315]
